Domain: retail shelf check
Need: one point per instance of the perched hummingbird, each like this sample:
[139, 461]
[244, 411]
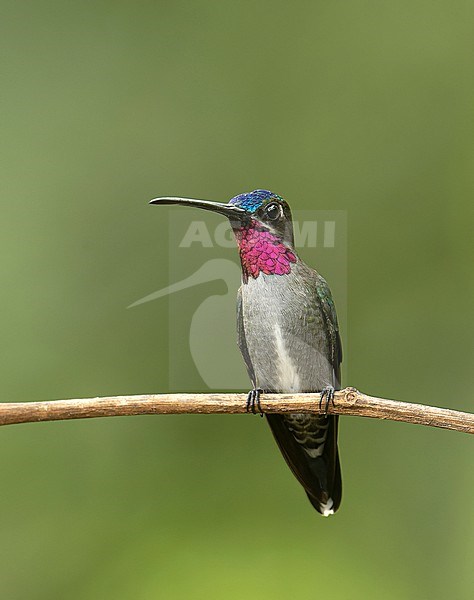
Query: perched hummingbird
[288, 336]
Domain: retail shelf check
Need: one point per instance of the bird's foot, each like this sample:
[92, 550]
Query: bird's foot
[326, 398]
[253, 402]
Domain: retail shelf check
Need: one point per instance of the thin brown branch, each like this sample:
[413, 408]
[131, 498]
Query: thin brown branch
[346, 402]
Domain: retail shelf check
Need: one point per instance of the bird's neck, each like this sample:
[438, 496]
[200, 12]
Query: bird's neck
[263, 252]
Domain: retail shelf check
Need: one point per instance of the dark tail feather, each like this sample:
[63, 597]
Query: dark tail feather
[314, 463]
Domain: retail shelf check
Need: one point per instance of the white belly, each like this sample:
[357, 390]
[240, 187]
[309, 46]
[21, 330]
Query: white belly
[287, 375]
[286, 352]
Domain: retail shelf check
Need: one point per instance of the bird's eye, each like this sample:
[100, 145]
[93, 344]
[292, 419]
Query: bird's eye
[273, 211]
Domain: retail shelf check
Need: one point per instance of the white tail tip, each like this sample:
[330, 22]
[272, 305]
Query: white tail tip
[327, 508]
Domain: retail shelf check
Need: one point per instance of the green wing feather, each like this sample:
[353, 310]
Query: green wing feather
[330, 318]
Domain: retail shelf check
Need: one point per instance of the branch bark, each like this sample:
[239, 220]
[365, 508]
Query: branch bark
[346, 402]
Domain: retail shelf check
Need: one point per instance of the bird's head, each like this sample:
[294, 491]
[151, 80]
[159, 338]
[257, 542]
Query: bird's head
[263, 227]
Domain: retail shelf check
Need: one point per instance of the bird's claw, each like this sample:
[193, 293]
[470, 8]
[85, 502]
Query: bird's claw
[253, 402]
[326, 398]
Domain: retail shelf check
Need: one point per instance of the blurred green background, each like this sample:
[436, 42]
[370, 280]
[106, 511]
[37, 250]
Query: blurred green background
[365, 107]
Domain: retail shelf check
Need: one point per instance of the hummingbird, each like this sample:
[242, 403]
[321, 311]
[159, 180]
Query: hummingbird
[288, 334]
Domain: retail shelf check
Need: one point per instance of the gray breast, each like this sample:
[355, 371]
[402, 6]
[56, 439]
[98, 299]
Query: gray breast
[285, 332]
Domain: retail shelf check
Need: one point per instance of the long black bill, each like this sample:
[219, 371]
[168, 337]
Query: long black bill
[229, 210]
